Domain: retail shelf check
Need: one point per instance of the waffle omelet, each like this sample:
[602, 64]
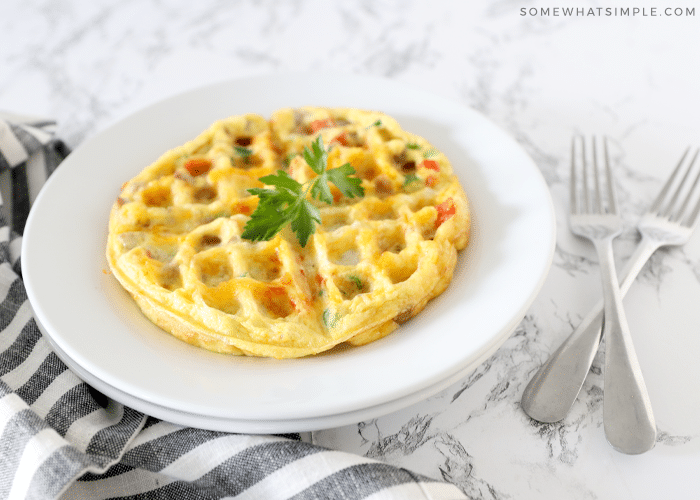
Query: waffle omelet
[175, 235]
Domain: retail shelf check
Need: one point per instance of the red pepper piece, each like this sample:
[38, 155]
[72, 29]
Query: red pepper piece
[341, 139]
[198, 166]
[445, 210]
[431, 165]
[317, 125]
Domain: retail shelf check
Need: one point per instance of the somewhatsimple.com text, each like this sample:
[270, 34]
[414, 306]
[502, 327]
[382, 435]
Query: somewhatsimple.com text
[608, 11]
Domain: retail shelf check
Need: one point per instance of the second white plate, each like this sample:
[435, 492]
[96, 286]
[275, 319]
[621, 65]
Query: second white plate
[99, 331]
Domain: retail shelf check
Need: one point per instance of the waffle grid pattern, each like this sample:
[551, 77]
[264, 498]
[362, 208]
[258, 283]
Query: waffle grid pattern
[374, 262]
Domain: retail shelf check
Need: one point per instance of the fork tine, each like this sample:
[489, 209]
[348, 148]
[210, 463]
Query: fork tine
[573, 199]
[578, 202]
[584, 169]
[596, 179]
[656, 205]
[612, 197]
[674, 198]
[586, 197]
[693, 218]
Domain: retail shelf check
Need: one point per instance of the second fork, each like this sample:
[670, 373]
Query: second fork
[627, 415]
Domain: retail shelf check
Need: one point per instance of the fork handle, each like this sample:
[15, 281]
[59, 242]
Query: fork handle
[627, 416]
[552, 391]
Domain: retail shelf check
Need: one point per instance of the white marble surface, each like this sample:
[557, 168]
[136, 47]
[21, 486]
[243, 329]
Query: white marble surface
[540, 77]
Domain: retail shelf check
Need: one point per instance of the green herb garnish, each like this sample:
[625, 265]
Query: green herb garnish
[328, 321]
[410, 179]
[430, 153]
[412, 145]
[411, 183]
[356, 280]
[287, 203]
[244, 152]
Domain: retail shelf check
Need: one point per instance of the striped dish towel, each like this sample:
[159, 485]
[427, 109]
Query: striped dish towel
[59, 438]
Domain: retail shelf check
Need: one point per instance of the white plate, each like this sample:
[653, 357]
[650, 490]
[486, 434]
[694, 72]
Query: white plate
[256, 426]
[98, 330]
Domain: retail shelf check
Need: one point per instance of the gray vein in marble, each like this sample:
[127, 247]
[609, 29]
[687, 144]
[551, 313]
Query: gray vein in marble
[478, 93]
[80, 31]
[655, 270]
[253, 56]
[412, 435]
[505, 382]
[546, 162]
[390, 59]
[561, 439]
[504, 367]
[458, 469]
[573, 264]
[506, 363]
[666, 439]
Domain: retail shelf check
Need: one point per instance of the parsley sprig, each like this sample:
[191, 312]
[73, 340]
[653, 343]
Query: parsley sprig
[287, 202]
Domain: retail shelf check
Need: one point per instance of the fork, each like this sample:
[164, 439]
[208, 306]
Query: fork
[670, 220]
[627, 416]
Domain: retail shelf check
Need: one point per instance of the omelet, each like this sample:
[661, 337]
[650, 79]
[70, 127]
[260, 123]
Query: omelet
[176, 244]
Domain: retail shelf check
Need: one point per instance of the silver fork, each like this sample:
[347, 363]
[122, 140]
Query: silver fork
[670, 220]
[627, 416]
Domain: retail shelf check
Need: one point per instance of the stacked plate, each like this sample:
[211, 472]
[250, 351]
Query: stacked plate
[98, 331]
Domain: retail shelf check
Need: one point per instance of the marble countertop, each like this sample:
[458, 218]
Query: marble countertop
[539, 72]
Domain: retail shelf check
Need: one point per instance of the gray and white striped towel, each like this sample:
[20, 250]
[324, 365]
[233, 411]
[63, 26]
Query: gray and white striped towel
[61, 438]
